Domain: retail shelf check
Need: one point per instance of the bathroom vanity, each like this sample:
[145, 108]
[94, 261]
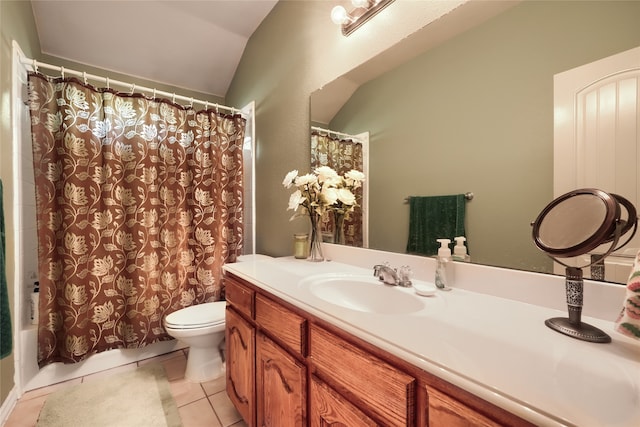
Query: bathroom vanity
[326, 344]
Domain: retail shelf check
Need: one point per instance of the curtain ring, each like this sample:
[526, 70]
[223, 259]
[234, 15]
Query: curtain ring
[107, 82]
[35, 65]
[206, 105]
[191, 104]
[84, 76]
[133, 88]
[154, 93]
[217, 109]
[174, 98]
[62, 72]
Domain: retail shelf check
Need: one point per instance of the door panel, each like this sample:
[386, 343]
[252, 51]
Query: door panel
[597, 137]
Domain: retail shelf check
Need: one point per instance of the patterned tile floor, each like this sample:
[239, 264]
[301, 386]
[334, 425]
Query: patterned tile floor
[200, 404]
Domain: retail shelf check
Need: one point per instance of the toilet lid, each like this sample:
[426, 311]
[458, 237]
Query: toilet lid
[196, 316]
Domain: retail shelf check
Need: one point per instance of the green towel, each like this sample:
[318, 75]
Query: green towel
[6, 341]
[432, 218]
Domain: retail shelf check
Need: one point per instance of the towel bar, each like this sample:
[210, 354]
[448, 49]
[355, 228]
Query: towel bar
[468, 196]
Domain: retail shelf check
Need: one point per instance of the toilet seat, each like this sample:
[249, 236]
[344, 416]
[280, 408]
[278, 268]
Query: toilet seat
[197, 316]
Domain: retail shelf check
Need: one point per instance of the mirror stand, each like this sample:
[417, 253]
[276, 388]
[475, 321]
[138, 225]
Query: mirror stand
[573, 326]
[575, 224]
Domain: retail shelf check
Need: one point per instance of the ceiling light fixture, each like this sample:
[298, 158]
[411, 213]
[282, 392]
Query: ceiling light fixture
[364, 10]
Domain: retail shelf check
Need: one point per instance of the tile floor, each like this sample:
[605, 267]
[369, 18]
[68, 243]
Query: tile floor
[199, 404]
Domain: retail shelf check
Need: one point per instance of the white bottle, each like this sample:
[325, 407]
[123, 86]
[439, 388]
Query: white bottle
[35, 303]
[460, 250]
[443, 260]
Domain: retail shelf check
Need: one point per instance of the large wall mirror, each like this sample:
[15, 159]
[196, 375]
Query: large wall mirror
[472, 112]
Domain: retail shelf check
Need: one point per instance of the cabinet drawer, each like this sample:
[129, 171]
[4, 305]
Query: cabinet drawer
[239, 296]
[447, 411]
[387, 393]
[328, 408]
[284, 325]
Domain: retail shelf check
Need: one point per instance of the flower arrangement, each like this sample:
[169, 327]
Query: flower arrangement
[322, 191]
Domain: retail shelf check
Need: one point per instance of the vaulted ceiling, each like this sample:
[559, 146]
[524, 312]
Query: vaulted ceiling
[195, 45]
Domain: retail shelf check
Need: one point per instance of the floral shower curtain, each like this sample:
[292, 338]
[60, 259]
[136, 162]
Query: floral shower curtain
[139, 204]
[342, 155]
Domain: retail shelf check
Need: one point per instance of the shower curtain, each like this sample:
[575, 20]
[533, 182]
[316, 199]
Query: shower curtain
[139, 204]
[342, 155]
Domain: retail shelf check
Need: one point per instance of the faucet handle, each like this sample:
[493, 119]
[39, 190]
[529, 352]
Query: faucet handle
[405, 275]
[405, 272]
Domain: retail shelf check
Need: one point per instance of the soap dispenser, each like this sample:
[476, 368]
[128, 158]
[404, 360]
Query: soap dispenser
[443, 260]
[460, 250]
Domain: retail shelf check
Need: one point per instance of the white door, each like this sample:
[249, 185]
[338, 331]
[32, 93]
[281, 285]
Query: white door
[597, 137]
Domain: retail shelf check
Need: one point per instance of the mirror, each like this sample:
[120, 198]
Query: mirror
[575, 224]
[473, 113]
[593, 215]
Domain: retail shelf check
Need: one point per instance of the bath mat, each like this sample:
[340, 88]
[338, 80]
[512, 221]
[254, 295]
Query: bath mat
[132, 399]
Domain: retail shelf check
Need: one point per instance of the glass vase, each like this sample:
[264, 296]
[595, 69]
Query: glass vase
[315, 239]
[338, 228]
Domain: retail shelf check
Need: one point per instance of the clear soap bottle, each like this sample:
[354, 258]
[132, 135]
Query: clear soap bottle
[443, 261]
[460, 250]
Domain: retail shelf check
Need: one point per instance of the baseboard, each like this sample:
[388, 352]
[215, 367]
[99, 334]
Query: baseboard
[8, 405]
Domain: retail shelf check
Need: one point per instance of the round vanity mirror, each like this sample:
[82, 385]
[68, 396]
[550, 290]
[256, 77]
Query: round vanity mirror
[574, 224]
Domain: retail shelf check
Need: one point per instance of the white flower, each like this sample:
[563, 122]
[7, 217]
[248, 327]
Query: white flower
[326, 174]
[346, 196]
[288, 180]
[296, 200]
[321, 191]
[354, 178]
[306, 179]
[329, 195]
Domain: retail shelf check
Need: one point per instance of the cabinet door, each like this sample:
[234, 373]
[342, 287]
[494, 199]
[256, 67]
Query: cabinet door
[386, 392]
[445, 411]
[240, 342]
[329, 409]
[281, 386]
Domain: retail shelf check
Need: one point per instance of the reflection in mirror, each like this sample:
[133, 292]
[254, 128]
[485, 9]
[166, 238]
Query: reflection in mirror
[473, 113]
[342, 153]
[575, 224]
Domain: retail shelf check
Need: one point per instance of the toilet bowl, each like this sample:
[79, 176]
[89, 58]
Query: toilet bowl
[201, 327]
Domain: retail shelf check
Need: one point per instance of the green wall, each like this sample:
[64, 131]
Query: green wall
[476, 114]
[296, 50]
[501, 130]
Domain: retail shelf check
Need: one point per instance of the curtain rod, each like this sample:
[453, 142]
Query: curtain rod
[328, 131]
[84, 75]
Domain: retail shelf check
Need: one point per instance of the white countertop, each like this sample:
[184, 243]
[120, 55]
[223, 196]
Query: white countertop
[487, 343]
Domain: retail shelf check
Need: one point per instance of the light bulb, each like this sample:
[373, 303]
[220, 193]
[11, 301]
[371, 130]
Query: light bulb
[360, 3]
[339, 15]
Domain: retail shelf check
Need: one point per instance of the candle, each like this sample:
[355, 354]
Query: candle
[301, 246]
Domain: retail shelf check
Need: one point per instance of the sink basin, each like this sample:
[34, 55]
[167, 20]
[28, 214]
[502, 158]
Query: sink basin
[362, 293]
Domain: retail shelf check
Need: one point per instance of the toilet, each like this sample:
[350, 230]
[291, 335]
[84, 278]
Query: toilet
[201, 327]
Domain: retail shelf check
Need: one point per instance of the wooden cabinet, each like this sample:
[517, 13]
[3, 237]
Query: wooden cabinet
[240, 350]
[283, 362]
[265, 380]
[376, 386]
[445, 411]
[288, 328]
[281, 386]
[328, 408]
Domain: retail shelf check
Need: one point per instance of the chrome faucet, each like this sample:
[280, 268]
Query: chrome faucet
[391, 276]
